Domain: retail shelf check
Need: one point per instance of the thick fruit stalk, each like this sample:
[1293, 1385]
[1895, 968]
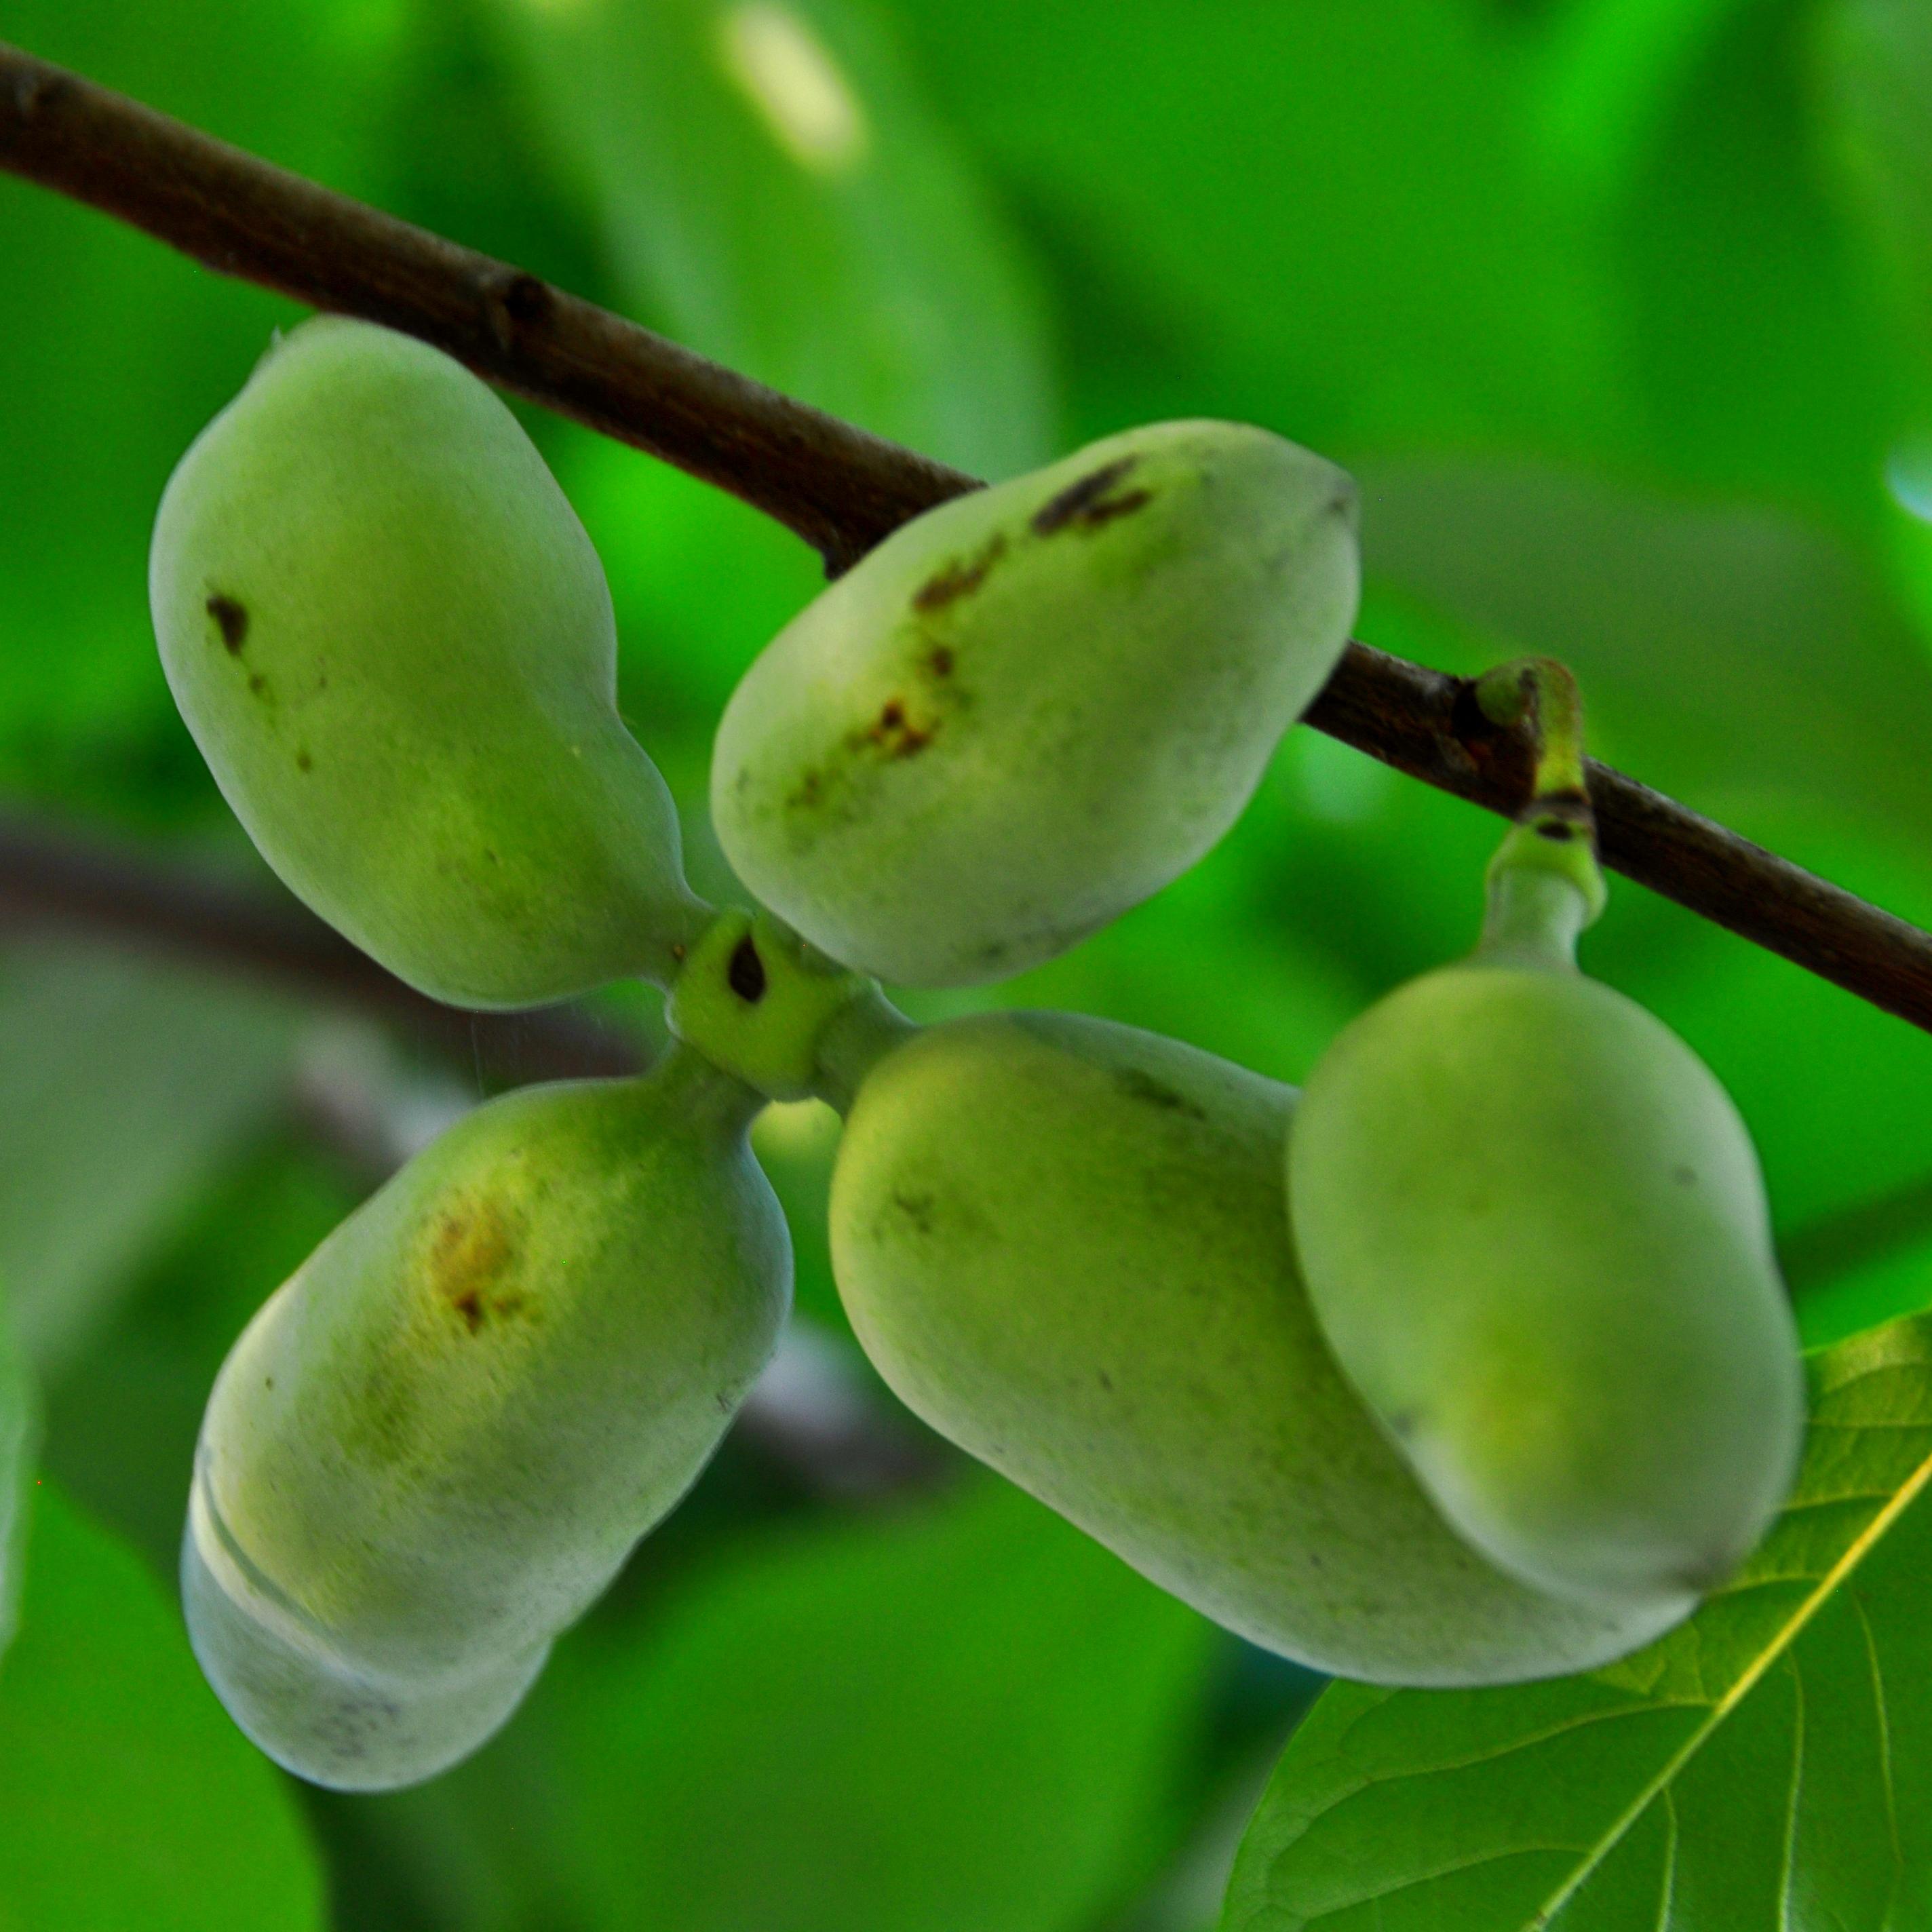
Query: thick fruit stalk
[1063, 1244]
[434, 1446]
[1535, 1235]
[1036, 705]
[393, 642]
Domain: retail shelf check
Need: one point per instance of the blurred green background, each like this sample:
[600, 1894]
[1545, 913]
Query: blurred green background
[1621, 309]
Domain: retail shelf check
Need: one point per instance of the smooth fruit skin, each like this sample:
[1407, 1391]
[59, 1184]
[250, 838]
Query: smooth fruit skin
[1535, 1235]
[435, 1445]
[1065, 1245]
[1034, 705]
[393, 643]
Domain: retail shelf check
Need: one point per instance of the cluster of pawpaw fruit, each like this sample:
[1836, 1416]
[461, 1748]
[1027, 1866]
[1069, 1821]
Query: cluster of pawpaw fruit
[1469, 1366]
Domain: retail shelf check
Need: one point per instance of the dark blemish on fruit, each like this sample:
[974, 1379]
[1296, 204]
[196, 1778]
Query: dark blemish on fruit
[723, 1399]
[961, 577]
[258, 684]
[677, 949]
[1106, 1381]
[1402, 1422]
[304, 763]
[492, 858]
[1156, 1093]
[917, 1208]
[233, 621]
[806, 793]
[895, 734]
[746, 972]
[1086, 505]
[1684, 1176]
[469, 1255]
[939, 660]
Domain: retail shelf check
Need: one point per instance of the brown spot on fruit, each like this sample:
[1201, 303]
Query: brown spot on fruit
[939, 660]
[304, 763]
[1086, 505]
[258, 684]
[1143, 1086]
[895, 734]
[471, 1251]
[916, 1208]
[233, 620]
[961, 577]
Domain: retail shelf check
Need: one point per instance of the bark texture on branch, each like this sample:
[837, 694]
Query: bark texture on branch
[839, 488]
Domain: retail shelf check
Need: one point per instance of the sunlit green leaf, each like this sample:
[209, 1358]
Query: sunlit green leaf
[1326, 215]
[127, 1798]
[1877, 60]
[1762, 1768]
[777, 194]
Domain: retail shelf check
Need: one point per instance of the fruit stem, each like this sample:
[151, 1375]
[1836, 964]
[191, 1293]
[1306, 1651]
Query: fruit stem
[1554, 838]
[858, 1038]
[699, 1091]
[760, 1004]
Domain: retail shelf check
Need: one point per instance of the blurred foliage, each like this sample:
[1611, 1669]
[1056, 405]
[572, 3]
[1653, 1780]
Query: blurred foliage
[1622, 310]
[131, 1798]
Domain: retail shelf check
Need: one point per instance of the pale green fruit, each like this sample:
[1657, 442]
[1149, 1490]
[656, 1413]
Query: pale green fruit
[1064, 1244]
[1034, 705]
[393, 642]
[434, 1445]
[1535, 1235]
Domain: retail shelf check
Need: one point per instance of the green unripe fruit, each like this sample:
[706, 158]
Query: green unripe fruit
[1034, 705]
[434, 1446]
[1064, 1244]
[1535, 1235]
[393, 642]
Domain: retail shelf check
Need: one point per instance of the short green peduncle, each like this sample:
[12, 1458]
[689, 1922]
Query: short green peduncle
[760, 1003]
[1545, 885]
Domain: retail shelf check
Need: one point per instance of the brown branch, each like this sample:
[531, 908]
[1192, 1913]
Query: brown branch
[59, 879]
[839, 488]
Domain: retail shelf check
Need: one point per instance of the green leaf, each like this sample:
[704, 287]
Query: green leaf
[127, 1084]
[964, 1715]
[1729, 645]
[127, 1798]
[114, 351]
[1762, 1768]
[1750, 327]
[18, 1415]
[776, 191]
[1876, 58]
[1325, 215]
